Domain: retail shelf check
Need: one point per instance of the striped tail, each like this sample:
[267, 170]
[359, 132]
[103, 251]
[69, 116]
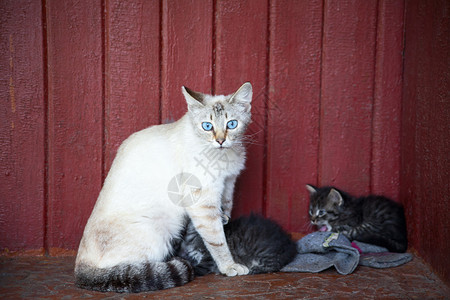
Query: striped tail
[127, 278]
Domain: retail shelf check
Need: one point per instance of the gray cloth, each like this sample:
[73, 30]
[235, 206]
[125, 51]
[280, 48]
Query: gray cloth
[368, 248]
[319, 251]
[378, 257]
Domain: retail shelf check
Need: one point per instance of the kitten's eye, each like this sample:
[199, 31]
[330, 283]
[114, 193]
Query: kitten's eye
[207, 126]
[310, 212]
[232, 124]
[322, 212]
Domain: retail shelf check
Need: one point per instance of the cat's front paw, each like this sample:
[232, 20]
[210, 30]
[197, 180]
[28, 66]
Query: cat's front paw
[235, 269]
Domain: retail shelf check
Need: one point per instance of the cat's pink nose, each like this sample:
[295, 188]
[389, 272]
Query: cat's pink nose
[220, 141]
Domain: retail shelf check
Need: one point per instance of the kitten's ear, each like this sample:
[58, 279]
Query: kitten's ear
[243, 96]
[311, 189]
[193, 99]
[335, 197]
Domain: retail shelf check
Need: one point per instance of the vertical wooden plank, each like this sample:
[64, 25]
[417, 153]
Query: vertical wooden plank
[347, 94]
[293, 110]
[408, 190]
[22, 126]
[75, 118]
[241, 55]
[186, 53]
[132, 83]
[387, 100]
[426, 131]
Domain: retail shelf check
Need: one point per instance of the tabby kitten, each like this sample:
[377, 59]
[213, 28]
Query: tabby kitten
[373, 219]
[127, 244]
[255, 242]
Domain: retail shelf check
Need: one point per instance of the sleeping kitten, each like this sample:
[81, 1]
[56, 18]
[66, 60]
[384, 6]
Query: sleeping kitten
[255, 242]
[373, 219]
[127, 245]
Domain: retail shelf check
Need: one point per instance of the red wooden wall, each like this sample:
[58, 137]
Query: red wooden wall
[23, 138]
[425, 179]
[78, 77]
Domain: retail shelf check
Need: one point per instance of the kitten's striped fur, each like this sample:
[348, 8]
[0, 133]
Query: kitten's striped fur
[258, 243]
[373, 219]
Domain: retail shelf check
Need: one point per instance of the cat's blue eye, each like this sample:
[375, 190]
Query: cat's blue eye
[322, 213]
[232, 124]
[207, 126]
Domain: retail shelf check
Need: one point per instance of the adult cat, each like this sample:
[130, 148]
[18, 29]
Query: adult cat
[127, 244]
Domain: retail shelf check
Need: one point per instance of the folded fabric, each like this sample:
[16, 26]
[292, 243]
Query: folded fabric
[378, 257]
[319, 251]
[368, 248]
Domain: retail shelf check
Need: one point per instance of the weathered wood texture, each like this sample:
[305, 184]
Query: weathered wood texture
[22, 127]
[132, 71]
[385, 172]
[75, 133]
[186, 53]
[241, 55]
[327, 107]
[293, 109]
[425, 167]
[348, 65]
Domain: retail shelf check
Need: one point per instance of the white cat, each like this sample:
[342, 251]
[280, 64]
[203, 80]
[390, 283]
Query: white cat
[161, 175]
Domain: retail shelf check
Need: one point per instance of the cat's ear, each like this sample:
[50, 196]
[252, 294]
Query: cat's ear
[311, 189]
[335, 197]
[193, 99]
[243, 96]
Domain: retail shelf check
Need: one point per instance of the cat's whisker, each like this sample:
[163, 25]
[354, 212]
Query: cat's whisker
[251, 134]
[251, 140]
[309, 226]
[252, 143]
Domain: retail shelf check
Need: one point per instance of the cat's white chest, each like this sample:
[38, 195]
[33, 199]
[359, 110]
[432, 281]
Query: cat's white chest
[211, 164]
